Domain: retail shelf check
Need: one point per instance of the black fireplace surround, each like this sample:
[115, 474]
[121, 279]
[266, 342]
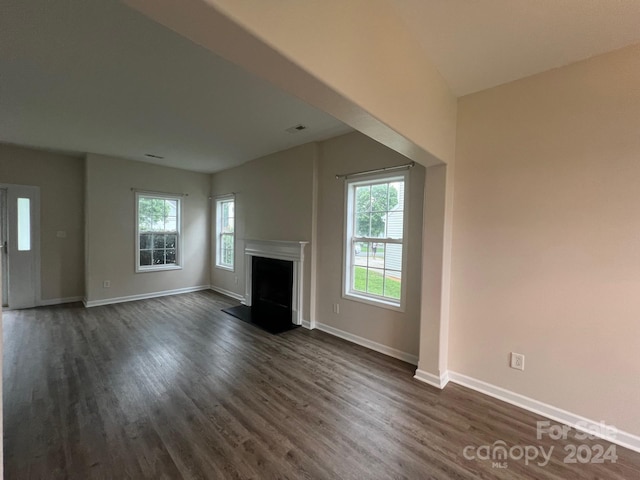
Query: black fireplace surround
[271, 296]
[271, 290]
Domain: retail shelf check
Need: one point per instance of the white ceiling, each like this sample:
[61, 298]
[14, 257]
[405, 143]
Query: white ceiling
[478, 44]
[96, 76]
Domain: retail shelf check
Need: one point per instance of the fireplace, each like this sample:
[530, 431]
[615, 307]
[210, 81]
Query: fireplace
[272, 291]
[287, 271]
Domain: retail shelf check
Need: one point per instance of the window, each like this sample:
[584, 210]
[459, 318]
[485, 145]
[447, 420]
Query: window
[225, 232]
[158, 232]
[375, 245]
[24, 224]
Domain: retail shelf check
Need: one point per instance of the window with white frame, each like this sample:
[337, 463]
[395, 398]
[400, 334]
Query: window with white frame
[375, 239]
[225, 232]
[158, 240]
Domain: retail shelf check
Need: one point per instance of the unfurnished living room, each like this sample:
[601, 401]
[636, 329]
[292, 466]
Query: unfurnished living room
[323, 239]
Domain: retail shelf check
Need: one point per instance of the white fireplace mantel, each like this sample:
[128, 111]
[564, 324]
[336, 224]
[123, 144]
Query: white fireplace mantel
[292, 251]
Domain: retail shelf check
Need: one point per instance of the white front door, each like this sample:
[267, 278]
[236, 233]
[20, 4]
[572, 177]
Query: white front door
[22, 213]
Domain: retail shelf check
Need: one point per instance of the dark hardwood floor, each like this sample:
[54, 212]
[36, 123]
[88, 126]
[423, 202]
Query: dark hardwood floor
[174, 388]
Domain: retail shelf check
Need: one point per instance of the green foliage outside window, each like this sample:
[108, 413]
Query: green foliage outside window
[372, 204]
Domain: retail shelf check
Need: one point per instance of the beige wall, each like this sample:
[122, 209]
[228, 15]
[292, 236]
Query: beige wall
[274, 201]
[398, 330]
[60, 178]
[432, 328]
[546, 255]
[110, 224]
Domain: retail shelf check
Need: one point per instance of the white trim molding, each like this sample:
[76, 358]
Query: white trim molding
[228, 293]
[59, 301]
[370, 344]
[431, 379]
[622, 438]
[143, 296]
[292, 251]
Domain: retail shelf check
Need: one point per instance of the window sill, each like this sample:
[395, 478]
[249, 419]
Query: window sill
[158, 269]
[224, 267]
[389, 305]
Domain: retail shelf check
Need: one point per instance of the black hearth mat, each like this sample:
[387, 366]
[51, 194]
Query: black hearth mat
[243, 313]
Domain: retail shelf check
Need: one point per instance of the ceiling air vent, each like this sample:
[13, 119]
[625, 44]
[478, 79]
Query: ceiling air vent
[151, 155]
[296, 128]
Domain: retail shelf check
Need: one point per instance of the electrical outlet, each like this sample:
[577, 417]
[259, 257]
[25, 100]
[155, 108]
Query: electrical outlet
[336, 308]
[517, 361]
[106, 284]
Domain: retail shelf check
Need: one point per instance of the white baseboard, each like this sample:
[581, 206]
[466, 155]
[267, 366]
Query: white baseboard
[143, 296]
[622, 438]
[378, 347]
[228, 293]
[306, 324]
[431, 379]
[59, 301]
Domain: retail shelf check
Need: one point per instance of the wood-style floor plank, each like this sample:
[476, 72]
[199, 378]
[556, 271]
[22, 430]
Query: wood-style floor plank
[174, 388]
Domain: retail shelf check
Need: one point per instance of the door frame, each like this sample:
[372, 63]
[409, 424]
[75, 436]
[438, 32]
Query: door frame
[15, 191]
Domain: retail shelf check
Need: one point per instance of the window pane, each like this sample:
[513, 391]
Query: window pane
[170, 241]
[171, 224]
[158, 257]
[363, 199]
[171, 256]
[158, 241]
[392, 284]
[378, 224]
[360, 252]
[393, 257]
[396, 196]
[375, 281]
[145, 241]
[171, 208]
[395, 224]
[376, 255]
[363, 221]
[359, 277]
[24, 224]
[145, 223]
[157, 223]
[379, 199]
[227, 257]
[145, 257]
[150, 212]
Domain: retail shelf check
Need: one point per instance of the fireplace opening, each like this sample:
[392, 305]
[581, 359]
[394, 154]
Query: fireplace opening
[271, 291]
[271, 296]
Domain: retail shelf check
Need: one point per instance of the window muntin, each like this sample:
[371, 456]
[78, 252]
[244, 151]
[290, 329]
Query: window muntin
[158, 232]
[375, 232]
[225, 232]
